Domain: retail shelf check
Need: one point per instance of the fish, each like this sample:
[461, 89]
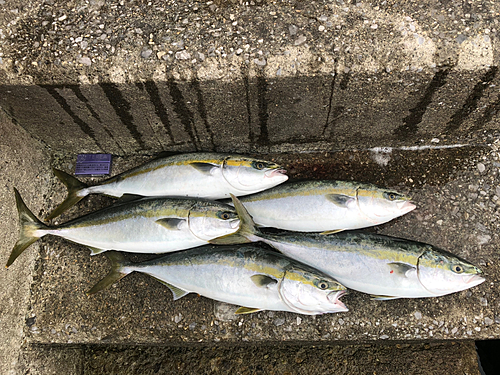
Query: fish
[198, 175]
[248, 276]
[325, 206]
[382, 266]
[147, 225]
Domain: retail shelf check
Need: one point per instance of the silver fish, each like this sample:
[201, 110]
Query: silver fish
[325, 206]
[199, 175]
[249, 276]
[385, 267]
[147, 225]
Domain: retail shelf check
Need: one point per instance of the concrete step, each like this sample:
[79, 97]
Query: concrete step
[425, 358]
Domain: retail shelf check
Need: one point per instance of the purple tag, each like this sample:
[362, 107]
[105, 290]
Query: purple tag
[93, 164]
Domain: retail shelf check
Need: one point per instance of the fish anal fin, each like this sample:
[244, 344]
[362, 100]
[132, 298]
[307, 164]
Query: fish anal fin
[340, 200]
[171, 223]
[382, 298]
[246, 310]
[205, 168]
[95, 250]
[263, 281]
[327, 232]
[176, 291]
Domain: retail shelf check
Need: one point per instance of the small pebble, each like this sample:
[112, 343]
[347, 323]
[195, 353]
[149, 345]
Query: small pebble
[418, 315]
[146, 53]
[85, 61]
[182, 55]
[293, 30]
[481, 168]
[300, 40]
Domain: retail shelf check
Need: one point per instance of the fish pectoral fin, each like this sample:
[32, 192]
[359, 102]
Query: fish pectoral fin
[246, 310]
[177, 292]
[205, 168]
[340, 200]
[171, 223]
[402, 269]
[327, 232]
[263, 281]
[95, 250]
[382, 298]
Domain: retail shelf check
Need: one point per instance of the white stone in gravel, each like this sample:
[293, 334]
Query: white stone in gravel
[300, 40]
[260, 62]
[182, 55]
[483, 239]
[85, 61]
[146, 53]
[418, 315]
[481, 168]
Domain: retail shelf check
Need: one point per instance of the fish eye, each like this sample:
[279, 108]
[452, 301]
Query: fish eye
[224, 215]
[457, 268]
[259, 165]
[323, 285]
[391, 196]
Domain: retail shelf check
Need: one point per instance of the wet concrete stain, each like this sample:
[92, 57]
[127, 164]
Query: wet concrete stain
[79, 94]
[85, 128]
[122, 109]
[411, 122]
[202, 110]
[160, 110]
[490, 111]
[246, 84]
[472, 100]
[181, 109]
[414, 169]
[263, 111]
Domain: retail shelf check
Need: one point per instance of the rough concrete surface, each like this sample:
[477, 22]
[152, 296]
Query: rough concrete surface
[399, 93]
[143, 76]
[454, 358]
[25, 165]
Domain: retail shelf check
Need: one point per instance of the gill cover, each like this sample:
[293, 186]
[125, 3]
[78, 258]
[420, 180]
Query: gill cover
[381, 205]
[252, 175]
[308, 294]
[207, 221]
[442, 273]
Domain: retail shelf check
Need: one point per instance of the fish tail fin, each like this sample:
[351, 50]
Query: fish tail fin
[29, 225]
[118, 263]
[247, 231]
[74, 187]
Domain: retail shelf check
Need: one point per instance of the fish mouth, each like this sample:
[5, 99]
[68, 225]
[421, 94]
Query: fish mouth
[334, 297]
[276, 173]
[473, 280]
[406, 206]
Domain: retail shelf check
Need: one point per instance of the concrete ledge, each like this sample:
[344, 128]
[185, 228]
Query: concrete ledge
[450, 357]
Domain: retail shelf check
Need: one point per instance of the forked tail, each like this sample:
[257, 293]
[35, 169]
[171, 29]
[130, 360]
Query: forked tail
[29, 226]
[74, 187]
[118, 262]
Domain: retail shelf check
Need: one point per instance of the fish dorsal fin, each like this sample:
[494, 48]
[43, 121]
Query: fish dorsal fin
[327, 232]
[171, 223]
[177, 292]
[340, 200]
[246, 310]
[205, 168]
[95, 250]
[382, 298]
[402, 269]
[128, 198]
[263, 281]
